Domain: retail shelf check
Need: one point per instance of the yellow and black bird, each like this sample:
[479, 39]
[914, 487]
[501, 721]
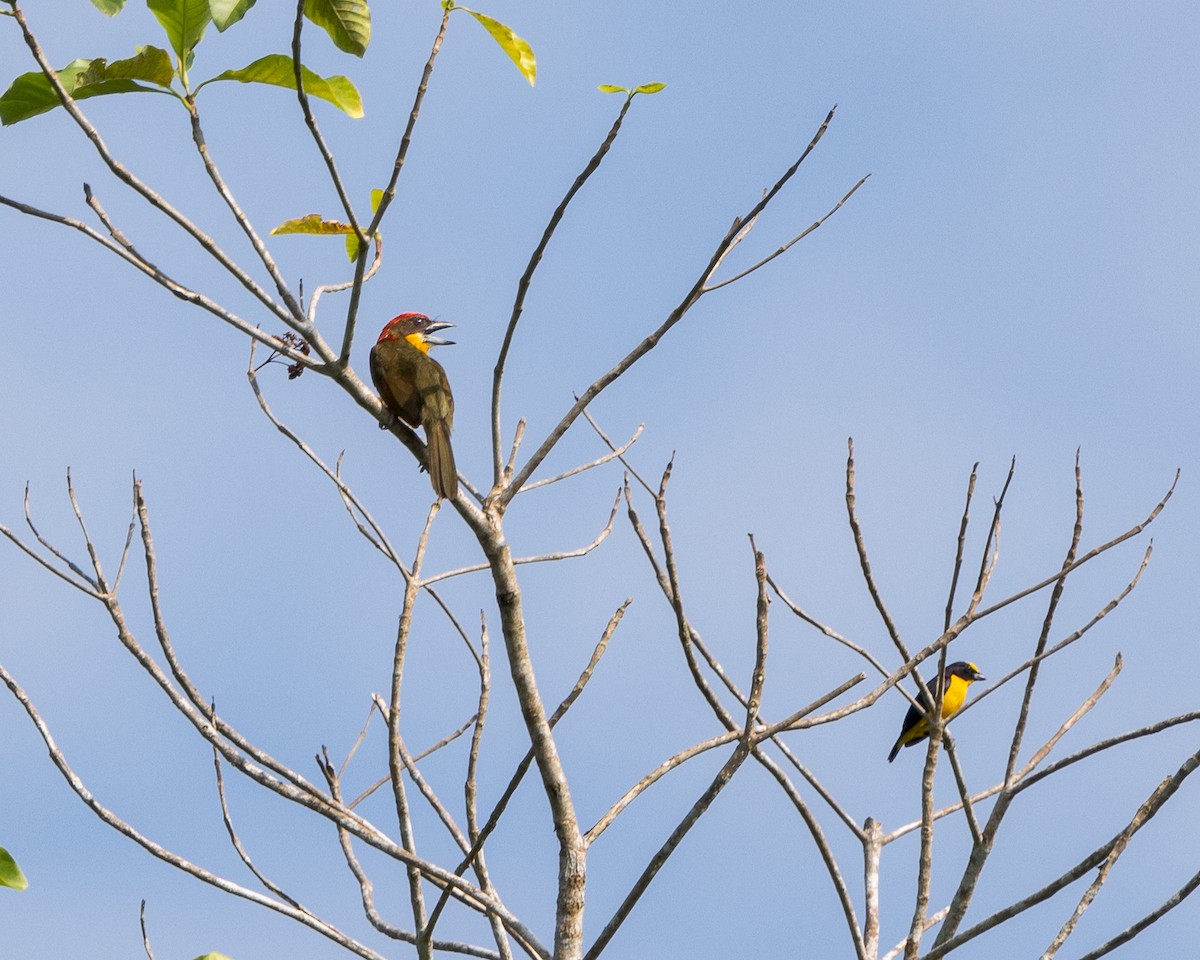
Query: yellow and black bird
[413, 386]
[958, 677]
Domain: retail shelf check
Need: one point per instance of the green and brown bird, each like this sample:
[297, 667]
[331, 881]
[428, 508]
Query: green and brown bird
[957, 678]
[414, 388]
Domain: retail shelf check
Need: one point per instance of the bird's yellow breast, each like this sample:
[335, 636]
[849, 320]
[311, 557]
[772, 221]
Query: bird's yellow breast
[955, 694]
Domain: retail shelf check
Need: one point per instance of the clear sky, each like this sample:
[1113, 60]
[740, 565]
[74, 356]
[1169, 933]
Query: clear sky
[1019, 277]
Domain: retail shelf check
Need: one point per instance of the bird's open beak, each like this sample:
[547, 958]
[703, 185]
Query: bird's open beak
[437, 341]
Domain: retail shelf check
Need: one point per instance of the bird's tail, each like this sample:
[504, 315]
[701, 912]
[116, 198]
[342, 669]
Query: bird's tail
[442, 471]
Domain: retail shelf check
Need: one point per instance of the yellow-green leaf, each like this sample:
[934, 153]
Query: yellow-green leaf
[612, 88]
[650, 88]
[225, 13]
[276, 69]
[312, 223]
[10, 873]
[520, 52]
[348, 23]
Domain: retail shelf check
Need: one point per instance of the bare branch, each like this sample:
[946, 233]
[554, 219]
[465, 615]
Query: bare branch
[378, 703]
[1073, 636]
[1161, 794]
[87, 586]
[960, 547]
[518, 436]
[314, 130]
[527, 278]
[1154, 915]
[367, 526]
[690, 298]
[222, 188]
[540, 558]
[145, 935]
[396, 744]
[599, 462]
[169, 284]
[162, 853]
[620, 453]
[787, 246]
[1091, 554]
[367, 888]
[690, 819]
[389, 193]
[290, 316]
[828, 630]
[757, 736]
[233, 836]
[523, 767]
[863, 560]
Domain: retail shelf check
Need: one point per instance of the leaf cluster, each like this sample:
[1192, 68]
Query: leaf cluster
[155, 70]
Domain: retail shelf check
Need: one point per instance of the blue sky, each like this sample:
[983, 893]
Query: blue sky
[1018, 277]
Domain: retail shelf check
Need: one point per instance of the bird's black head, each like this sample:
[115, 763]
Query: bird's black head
[965, 670]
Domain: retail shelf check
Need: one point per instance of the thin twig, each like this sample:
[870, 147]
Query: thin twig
[162, 853]
[541, 557]
[145, 934]
[960, 546]
[314, 130]
[152, 197]
[239, 216]
[243, 855]
[523, 767]
[379, 704]
[787, 246]
[664, 852]
[389, 192]
[620, 453]
[1157, 914]
[156, 274]
[615, 454]
[367, 888]
[1158, 797]
[396, 744]
[689, 300]
[527, 278]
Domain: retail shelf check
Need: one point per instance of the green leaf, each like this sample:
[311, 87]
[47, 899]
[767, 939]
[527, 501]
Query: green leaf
[348, 23]
[312, 223]
[10, 873]
[650, 88]
[184, 21]
[612, 88]
[149, 63]
[110, 8]
[31, 93]
[213, 956]
[520, 52]
[276, 69]
[225, 13]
